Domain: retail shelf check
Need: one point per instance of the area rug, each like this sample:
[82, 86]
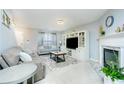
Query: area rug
[52, 65]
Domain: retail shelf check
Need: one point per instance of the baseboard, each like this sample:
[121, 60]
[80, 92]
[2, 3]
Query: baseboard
[95, 60]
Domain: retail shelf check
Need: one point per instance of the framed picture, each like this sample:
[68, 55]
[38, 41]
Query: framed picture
[5, 19]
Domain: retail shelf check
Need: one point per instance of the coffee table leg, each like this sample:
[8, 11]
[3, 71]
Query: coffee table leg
[50, 55]
[56, 58]
[64, 57]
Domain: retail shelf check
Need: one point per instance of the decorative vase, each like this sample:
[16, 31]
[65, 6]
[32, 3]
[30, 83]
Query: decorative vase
[118, 29]
[107, 80]
[101, 31]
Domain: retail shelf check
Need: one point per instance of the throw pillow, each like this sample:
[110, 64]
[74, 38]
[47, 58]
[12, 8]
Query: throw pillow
[25, 57]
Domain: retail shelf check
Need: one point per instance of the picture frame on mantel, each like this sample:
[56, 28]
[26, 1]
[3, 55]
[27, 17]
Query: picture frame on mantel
[5, 19]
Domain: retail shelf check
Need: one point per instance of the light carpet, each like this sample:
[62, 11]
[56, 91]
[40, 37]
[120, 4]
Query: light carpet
[71, 71]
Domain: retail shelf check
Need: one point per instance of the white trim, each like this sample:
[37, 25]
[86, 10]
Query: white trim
[95, 60]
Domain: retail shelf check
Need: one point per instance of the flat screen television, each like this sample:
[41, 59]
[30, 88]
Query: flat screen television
[72, 43]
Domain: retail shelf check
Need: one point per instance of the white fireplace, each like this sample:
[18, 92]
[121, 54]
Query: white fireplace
[112, 44]
[108, 51]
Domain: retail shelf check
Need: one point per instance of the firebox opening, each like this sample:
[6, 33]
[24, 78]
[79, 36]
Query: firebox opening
[111, 57]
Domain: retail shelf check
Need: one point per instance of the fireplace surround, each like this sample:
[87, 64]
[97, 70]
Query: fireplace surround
[112, 53]
[111, 43]
[111, 56]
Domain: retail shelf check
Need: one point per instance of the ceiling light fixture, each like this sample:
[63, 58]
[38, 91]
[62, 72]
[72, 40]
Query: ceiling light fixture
[60, 22]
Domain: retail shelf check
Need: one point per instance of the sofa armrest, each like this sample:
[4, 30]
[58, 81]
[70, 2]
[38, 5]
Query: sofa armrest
[40, 73]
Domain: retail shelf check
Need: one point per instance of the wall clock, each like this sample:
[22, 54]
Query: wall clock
[109, 21]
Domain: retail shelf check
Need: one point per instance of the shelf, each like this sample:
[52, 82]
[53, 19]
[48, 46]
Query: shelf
[115, 35]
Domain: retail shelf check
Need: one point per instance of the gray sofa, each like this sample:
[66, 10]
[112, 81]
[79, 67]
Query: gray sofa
[11, 58]
[46, 49]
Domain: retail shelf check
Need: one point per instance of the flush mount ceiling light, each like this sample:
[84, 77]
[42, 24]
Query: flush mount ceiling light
[60, 22]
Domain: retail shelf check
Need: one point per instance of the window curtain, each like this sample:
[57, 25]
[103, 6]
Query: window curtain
[47, 40]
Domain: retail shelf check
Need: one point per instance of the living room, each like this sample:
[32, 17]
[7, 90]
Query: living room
[67, 46]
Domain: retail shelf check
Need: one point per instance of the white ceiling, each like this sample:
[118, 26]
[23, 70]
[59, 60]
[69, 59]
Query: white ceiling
[45, 19]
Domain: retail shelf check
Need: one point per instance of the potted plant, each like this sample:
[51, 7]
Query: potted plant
[101, 31]
[113, 73]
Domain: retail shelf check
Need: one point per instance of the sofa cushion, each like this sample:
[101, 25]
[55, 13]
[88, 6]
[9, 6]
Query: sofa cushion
[11, 56]
[25, 57]
[3, 63]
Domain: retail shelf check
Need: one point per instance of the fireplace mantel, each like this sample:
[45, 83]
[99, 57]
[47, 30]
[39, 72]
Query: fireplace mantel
[115, 35]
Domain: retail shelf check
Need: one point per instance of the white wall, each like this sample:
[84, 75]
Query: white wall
[59, 38]
[118, 15]
[28, 38]
[7, 36]
[93, 42]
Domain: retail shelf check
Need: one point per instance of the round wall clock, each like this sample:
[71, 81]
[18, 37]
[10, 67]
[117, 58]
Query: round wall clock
[109, 21]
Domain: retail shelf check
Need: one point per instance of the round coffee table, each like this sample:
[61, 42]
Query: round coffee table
[17, 74]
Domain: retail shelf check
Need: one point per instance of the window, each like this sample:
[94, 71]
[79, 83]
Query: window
[48, 40]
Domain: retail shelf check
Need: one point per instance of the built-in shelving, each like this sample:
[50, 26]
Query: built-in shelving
[80, 35]
[115, 35]
[81, 39]
[82, 52]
